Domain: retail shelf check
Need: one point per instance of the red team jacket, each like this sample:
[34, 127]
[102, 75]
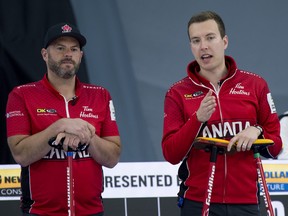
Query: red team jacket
[32, 108]
[243, 100]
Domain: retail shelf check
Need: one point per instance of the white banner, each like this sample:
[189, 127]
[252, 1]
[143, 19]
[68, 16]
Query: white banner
[144, 179]
[159, 179]
[141, 179]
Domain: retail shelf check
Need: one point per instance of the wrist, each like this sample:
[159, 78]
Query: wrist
[199, 119]
[259, 128]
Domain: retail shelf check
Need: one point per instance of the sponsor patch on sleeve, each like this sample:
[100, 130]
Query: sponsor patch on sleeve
[271, 103]
[112, 111]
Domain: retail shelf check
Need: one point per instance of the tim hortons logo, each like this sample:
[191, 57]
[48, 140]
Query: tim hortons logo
[88, 113]
[239, 90]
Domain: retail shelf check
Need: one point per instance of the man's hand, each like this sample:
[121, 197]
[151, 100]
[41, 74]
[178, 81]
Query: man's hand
[207, 107]
[67, 142]
[245, 139]
[82, 130]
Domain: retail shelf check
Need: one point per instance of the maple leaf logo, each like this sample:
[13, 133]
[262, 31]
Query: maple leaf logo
[66, 28]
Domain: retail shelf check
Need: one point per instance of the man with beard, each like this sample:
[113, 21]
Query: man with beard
[79, 116]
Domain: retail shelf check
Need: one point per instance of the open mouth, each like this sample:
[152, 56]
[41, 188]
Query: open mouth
[206, 56]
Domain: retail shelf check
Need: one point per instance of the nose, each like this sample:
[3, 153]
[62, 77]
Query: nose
[204, 45]
[68, 52]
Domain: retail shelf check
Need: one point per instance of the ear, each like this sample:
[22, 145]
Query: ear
[44, 54]
[225, 40]
[81, 56]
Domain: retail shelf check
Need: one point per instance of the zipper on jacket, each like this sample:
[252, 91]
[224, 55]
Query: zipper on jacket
[66, 106]
[217, 91]
[225, 177]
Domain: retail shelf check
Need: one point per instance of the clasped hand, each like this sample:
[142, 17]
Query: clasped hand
[76, 131]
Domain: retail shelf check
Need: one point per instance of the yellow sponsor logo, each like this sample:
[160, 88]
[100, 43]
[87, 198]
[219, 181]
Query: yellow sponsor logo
[188, 95]
[41, 110]
[276, 173]
[10, 178]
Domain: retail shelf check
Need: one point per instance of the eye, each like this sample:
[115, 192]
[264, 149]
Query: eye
[75, 49]
[60, 48]
[195, 41]
[211, 37]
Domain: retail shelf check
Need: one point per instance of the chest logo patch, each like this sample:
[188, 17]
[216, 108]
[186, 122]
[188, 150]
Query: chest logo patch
[44, 111]
[87, 113]
[239, 90]
[193, 95]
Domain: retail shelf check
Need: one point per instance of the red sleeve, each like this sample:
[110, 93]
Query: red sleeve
[178, 133]
[268, 120]
[110, 127]
[17, 117]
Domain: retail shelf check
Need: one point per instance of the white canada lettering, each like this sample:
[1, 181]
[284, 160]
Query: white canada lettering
[226, 129]
[60, 154]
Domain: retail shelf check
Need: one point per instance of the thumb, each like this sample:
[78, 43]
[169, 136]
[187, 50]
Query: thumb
[209, 93]
[91, 128]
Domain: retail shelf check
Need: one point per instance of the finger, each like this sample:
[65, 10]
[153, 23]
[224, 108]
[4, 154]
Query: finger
[250, 143]
[83, 135]
[75, 143]
[59, 137]
[241, 144]
[211, 103]
[231, 143]
[207, 97]
[238, 146]
[211, 107]
[244, 146]
[209, 93]
[69, 141]
[91, 129]
[87, 136]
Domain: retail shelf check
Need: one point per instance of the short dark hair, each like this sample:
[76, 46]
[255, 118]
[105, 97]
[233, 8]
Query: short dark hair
[208, 15]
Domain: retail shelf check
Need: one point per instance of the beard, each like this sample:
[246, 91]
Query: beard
[63, 72]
